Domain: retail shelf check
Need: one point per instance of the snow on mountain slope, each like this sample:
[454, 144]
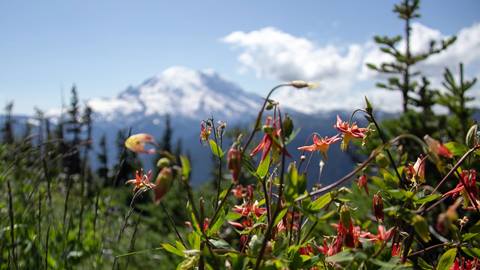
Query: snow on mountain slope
[181, 92]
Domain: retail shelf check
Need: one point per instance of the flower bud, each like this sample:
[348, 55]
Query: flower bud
[471, 139]
[345, 217]
[163, 183]
[234, 163]
[299, 84]
[163, 162]
[378, 207]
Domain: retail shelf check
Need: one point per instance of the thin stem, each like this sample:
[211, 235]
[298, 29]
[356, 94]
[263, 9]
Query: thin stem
[172, 223]
[279, 199]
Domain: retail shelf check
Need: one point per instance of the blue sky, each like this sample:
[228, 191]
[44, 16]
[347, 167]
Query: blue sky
[104, 46]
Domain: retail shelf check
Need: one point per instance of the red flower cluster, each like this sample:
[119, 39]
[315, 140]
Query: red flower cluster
[270, 138]
[469, 177]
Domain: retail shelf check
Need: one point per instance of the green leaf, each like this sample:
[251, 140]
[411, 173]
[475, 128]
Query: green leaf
[220, 243]
[216, 150]
[424, 265]
[473, 252]
[321, 202]
[280, 216]
[457, 149]
[185, 166]
[447, 259]
[344, 256]
[421, 227]
[428, 198]
[173, 249]
[262, 169]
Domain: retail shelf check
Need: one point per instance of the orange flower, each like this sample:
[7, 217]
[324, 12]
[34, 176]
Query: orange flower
[136, 143]
[141, 180]
[349, 131]
[320, 144]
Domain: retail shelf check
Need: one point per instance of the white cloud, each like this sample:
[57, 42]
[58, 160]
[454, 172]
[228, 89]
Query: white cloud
[273, 54]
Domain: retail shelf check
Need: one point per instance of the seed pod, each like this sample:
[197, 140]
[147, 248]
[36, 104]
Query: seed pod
[163, 183]
[378, 207]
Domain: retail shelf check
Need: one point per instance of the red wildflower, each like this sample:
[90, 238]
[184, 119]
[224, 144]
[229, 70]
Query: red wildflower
[306, 250]
[362, 183]
[136, 143]
[320, 144]
[249, 208]
[270, 138]
[463, 264]
[437, 147]
[469, 177]
[381, 236]
[396, 249]
[141, 180]
[349, 132]
[238, 191]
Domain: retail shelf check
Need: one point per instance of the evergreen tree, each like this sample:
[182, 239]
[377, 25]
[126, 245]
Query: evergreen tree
[7, 130]
[455, 99]
[102, 158]
[401, 76]
[166, 142]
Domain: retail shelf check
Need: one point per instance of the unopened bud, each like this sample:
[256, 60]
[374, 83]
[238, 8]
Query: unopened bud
[299, 84]
[378, 207]
[471, 139]
[163, 162]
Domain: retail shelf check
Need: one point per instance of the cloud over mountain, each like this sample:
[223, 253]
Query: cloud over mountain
[274, 54]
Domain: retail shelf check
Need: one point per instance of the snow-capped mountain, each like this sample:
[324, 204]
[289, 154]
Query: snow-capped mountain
[182, 92]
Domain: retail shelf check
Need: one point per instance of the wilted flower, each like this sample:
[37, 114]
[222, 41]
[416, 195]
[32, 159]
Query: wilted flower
[437, 147]
[163, 183]
[349, 132]
[320, 144]
[136, 143]
[141, 180]
[378, 207]
[362, 182]
[234, 162]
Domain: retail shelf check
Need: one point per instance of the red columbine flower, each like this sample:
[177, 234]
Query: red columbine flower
[349, 132]
[237, 191]
[382, 235]
[205, 131]
[396, 249]
[463, 264]
[437, 147]
[306, 250]
[469, 177]
[141, 180]
[378, 207]
[271, 138]
[248, 208]
[320, 144]
[362, 183]
[136, 143]
[234, 162]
